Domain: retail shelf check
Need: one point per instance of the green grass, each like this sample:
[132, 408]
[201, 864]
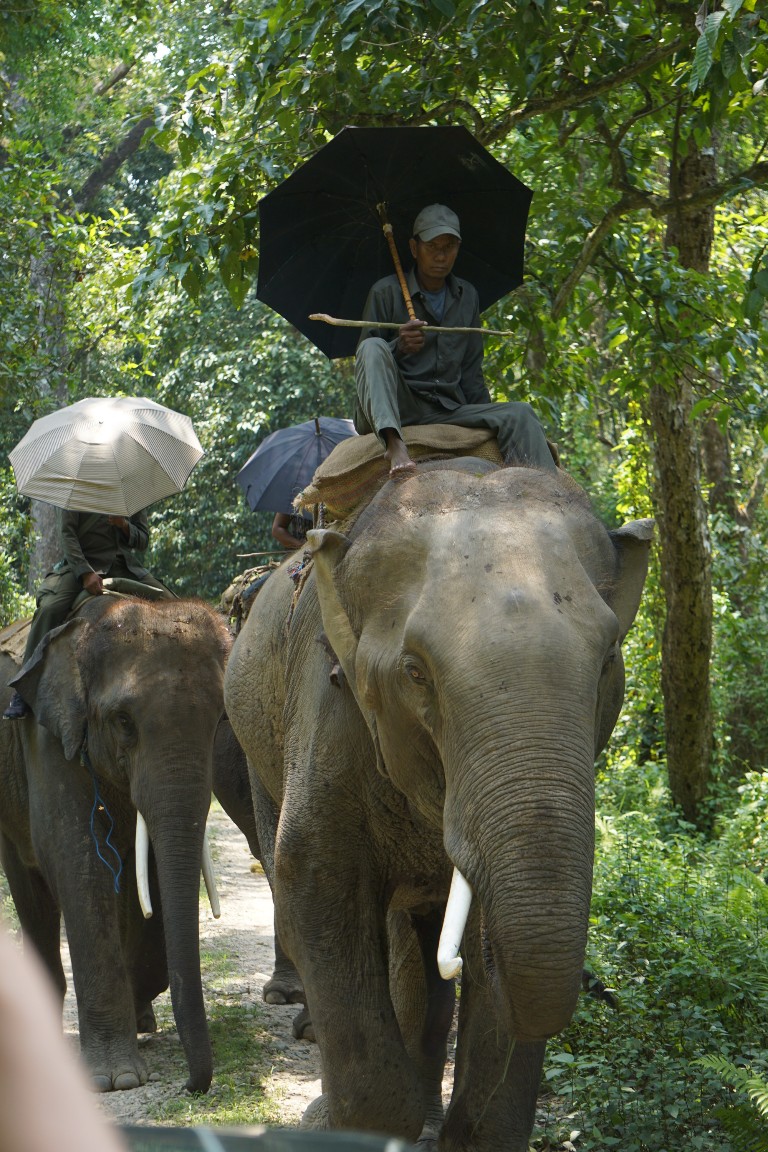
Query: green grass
[241, 1094]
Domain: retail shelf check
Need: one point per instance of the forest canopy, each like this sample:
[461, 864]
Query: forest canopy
[136, 140]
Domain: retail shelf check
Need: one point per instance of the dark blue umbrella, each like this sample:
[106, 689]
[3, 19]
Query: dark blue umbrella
[285, 462]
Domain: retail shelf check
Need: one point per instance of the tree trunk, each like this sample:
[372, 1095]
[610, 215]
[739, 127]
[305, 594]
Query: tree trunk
[48, 283]
[49, 279]
[716, 458]
[683, 531]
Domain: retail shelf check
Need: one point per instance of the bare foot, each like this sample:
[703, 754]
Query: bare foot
[399, 460]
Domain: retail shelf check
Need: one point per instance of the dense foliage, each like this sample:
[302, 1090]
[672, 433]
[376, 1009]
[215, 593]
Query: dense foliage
[677, 933]
[136, 138]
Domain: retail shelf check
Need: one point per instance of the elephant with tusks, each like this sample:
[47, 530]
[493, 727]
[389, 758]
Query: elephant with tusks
[430, 814]
[104, 795]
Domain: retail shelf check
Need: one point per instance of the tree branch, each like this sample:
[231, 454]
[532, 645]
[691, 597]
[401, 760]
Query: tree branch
[579, 93]
[715, 193]
[118, 73]
[110, 164]
[630, 201]
[634, 199]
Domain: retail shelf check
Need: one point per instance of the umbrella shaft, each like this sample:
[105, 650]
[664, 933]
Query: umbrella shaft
[390, 238]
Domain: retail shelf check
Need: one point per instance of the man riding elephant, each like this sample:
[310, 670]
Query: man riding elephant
[94, 547]
[432, 377]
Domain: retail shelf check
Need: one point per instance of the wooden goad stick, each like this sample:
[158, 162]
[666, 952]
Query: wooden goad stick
[326, 319]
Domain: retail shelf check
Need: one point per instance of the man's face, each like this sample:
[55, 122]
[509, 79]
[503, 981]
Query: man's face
[435, 258]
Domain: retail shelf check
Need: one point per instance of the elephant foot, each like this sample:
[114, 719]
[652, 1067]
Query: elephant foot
[113, 1067]
[116, 1081]
[303, 1028]
[145, 1019]
[283, 988]
[317, 1114]
[430, 1135]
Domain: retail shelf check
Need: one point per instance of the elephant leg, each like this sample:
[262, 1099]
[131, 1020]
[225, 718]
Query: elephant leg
[105, 1005]
[424, 1003]
[331, 921]
[285, 986]
[86, 894]
[38, 913]
[496, 1080]
[144, 948]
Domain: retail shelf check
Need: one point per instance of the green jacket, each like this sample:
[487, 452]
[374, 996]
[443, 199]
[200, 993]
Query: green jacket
[449, 368]
[90, 543]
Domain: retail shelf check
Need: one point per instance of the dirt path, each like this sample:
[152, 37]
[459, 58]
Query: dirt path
[244, 933]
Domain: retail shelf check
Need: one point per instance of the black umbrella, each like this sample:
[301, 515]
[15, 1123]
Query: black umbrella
[285, 462]
[322, 245]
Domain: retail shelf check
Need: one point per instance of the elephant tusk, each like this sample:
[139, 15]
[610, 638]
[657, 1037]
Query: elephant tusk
[142, 865]
[210, 879]
[449, 962]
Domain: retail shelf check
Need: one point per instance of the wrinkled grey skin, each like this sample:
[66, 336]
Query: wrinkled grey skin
[232, 788]
[478, 615]
[143, 682]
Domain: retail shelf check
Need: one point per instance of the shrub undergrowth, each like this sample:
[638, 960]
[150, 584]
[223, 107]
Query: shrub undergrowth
[678, 933]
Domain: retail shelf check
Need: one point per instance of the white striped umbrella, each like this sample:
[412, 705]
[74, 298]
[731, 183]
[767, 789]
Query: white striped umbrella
[109, 454]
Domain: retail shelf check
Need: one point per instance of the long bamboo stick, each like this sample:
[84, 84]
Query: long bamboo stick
[326, 319]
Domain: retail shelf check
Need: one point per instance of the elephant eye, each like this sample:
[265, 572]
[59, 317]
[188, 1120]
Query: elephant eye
[414, 671]
[611, 656]
[124, 727]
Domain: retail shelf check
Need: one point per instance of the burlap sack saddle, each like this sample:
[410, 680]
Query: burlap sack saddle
[356, 468]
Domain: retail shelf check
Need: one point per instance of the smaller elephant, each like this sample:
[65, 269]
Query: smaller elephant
[126, 697]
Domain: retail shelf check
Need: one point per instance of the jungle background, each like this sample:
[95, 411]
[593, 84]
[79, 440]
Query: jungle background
[136, 138]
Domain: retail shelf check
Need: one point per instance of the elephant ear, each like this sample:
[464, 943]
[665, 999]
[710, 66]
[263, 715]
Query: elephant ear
[51, 684]
[632, 543]
[328, 550]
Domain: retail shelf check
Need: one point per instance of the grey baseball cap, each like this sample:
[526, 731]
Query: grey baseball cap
[436, 220]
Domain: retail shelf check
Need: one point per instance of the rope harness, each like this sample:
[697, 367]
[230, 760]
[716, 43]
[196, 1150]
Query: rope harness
[99, 804]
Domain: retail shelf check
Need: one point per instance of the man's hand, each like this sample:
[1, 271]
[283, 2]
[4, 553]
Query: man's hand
[410, 338]
[93, 583]
[121, 523]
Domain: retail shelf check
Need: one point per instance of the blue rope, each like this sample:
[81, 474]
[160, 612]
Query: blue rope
[85, 760]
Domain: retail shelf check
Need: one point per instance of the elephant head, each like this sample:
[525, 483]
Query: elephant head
[135, 689]
[479, 616]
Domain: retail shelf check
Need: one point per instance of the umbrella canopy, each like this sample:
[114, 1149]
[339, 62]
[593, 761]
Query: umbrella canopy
[114, 455]
[285, 462]
[322, 245]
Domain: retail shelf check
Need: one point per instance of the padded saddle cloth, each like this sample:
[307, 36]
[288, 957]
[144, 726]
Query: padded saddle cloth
[13, 639]
[356, 468]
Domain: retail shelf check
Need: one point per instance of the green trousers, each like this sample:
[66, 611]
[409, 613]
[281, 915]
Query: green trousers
[57, 594]
[384, 400]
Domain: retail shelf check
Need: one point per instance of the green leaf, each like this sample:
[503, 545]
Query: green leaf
[703, 405]
[730, 60]
[702, 62]
[753, 304]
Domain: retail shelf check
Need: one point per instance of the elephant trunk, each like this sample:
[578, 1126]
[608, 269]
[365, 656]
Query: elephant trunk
[521, 833]
[177, 843]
